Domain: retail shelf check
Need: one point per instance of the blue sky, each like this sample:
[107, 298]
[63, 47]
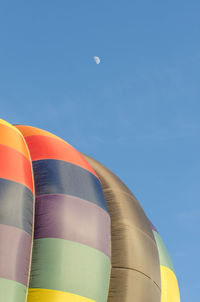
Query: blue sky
[136, 112]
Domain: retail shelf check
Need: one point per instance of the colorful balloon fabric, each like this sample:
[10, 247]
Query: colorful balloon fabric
[70, 230]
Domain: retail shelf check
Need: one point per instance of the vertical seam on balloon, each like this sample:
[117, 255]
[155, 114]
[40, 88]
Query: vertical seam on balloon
[33, 217]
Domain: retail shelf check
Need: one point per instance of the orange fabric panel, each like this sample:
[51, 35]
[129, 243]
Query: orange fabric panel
[29, 130]
[14, 139]
[2, 122]
[15, 166]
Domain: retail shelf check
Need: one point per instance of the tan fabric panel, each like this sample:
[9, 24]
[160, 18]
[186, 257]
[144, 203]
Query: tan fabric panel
[130, 286]
[135, 261]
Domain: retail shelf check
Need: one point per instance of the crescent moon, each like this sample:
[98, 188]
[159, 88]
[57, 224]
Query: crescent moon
[97, 60]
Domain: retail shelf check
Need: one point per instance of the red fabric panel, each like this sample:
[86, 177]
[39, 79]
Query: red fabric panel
[15, 166]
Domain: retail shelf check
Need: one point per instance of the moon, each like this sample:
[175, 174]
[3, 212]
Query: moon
[97, 60]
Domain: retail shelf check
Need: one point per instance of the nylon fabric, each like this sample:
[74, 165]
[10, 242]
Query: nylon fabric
[72, 218]
[60, 177]
[163, 253]
[2, 122]
[30, 131]
[11, 291]
[16, 205]
[14, 140]
[16, 214]
[132, 286]
[45, 147]
[15, 166]
[170, 290]
[70, 267]
[15, 249]
[133, 268]
[169, 284]
[45, 295]
[66, 265]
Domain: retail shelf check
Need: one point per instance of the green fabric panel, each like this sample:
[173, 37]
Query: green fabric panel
[11, 291]
[70, 267]
[163, 253]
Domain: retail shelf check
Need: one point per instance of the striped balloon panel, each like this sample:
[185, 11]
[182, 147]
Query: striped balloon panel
[135, 273]
[46, 295]
[16, 214]
[169, 284]
[60, 177]
[71, 254]
[45, 145]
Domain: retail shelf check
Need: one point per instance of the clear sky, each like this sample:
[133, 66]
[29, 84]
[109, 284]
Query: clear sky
[137, 112]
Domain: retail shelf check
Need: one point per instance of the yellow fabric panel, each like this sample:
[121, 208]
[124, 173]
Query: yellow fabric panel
[9, 125]
[12, 137]
[169, 286]
[48, 295]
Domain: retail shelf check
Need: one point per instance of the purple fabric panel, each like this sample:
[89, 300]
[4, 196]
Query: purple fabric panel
[15, 251]
[152, 226]
[72, 218]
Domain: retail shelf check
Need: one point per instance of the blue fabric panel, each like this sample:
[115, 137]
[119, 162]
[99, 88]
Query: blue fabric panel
[16, 205]
[60, 177]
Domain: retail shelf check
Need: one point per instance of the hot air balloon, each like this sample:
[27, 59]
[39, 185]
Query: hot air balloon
[16, 214]
[92, 241]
